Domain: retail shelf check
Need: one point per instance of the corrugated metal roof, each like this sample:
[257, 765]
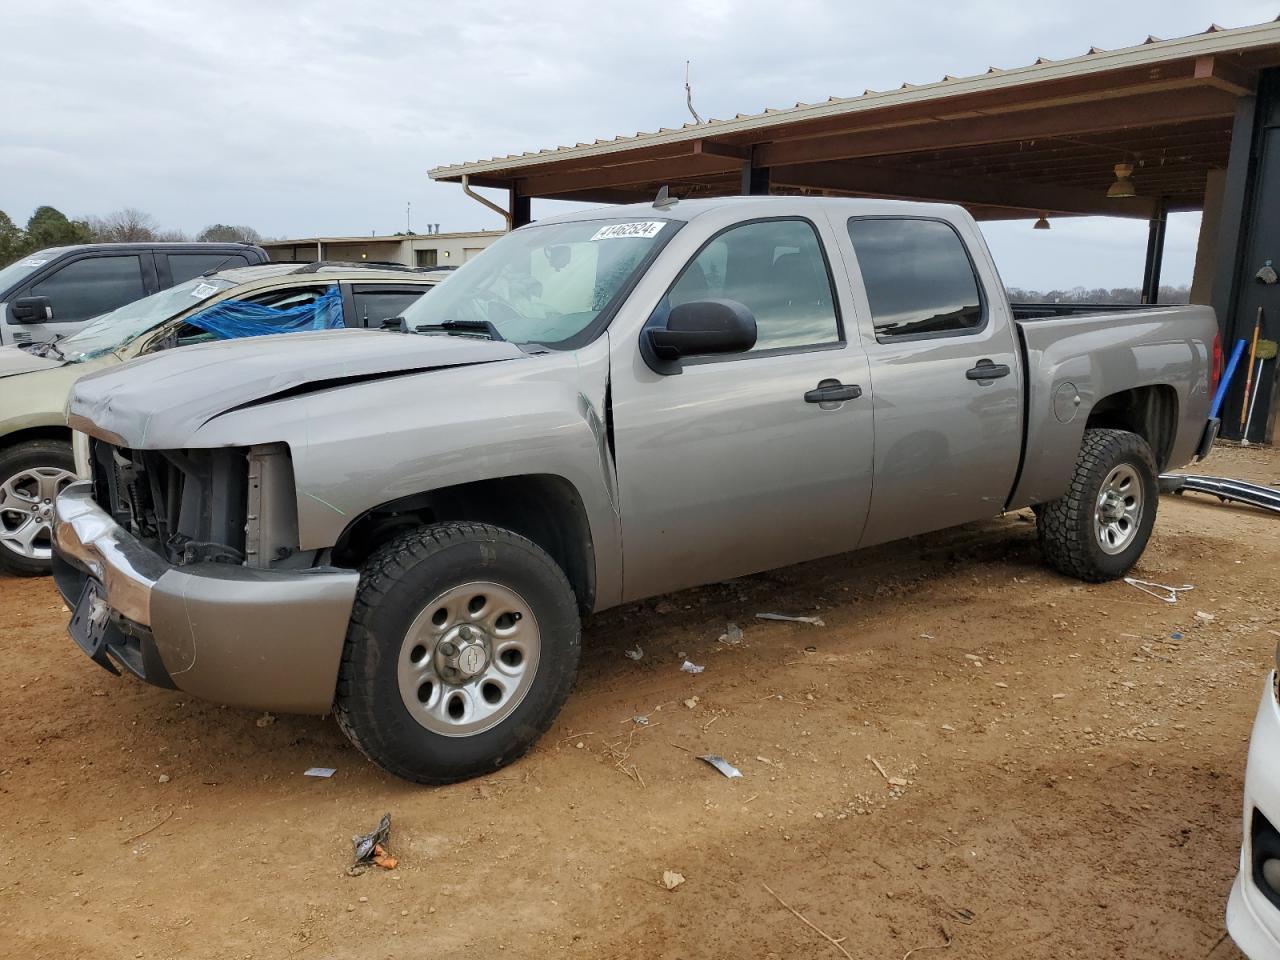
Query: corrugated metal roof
[384, 238]
[1151, 51]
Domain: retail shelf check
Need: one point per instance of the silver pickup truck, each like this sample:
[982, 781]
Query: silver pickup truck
[405, 527]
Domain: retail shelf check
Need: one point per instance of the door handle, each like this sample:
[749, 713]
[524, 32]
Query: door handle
[832, 391]
[986, 370]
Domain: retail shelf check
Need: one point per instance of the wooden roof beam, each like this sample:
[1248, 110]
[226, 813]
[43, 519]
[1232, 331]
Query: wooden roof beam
[1219, 73]
[873, 180]
[624, 175]
[1145, 110]
[713, 148]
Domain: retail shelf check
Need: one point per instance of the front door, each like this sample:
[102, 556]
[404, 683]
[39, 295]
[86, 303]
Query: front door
[948, 385]
[81, 289]
[736, 464]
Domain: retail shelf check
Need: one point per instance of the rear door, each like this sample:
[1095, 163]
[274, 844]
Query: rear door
[82, 288]
[734, 465]
[948, 392]
[179, 267]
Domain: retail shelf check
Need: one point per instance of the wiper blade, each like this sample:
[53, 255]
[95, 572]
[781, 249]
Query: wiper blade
[45, 348]
[462, 326]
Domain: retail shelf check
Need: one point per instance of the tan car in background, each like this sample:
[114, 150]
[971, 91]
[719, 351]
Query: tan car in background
[36, 458]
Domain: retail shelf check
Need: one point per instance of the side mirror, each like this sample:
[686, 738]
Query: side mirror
[698, 328]
[31, 310]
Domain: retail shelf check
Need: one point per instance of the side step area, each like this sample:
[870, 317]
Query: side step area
[1224, 489]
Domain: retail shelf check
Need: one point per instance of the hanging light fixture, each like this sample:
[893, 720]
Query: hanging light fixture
[1123, 187]
[1042, 223]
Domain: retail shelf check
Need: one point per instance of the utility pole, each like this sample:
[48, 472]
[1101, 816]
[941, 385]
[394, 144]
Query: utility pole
[408, 221]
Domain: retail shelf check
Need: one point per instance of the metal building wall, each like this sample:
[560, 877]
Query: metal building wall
[1249, 241]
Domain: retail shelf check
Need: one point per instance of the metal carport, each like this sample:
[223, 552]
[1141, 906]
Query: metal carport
[1191, 116]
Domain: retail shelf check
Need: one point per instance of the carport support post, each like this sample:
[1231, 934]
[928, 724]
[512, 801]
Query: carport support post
[520, 208]
[755, 180]
[1155, 252]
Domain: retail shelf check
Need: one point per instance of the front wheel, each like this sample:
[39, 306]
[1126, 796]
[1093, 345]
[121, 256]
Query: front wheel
[1099, 528]
[462, 647]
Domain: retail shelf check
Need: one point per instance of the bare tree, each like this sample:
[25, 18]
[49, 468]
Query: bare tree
[229, 233]
[128, 225]
[1168, 294]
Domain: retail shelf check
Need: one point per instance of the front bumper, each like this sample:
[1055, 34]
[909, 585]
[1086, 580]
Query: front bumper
[1253, 919]
[243, 636]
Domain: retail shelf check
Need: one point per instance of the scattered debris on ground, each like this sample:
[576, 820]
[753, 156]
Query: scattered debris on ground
[786, 618]
[732, 635]
[371, 848]
[721, 764]
[1158, 590]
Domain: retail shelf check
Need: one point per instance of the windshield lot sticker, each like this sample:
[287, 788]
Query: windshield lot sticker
[34, 263]
[619, 231]
[203, 290]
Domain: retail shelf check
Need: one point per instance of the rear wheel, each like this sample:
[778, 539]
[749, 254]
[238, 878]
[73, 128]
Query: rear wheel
[31, 476]
[463, 646]
[1100, 527]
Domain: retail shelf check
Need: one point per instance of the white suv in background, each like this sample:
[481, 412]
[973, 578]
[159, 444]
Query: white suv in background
[1253, 912]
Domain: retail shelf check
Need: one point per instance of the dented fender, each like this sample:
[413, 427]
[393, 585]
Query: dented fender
[373, 442]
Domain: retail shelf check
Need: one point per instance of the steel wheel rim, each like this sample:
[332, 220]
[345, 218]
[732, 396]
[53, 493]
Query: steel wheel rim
[26, 510]
[1118, 513]
[468, 659]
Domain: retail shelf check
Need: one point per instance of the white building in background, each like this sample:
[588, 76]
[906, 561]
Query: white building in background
[411, 249]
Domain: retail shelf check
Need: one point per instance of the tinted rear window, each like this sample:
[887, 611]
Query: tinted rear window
[918, 277]
[374, 306]
[184, 266]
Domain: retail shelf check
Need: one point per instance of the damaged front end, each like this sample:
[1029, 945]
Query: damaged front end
[182, 567]
[189, 506]
[222, 505]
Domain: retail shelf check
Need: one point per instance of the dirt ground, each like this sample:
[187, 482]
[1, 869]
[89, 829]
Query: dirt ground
[1061, 777]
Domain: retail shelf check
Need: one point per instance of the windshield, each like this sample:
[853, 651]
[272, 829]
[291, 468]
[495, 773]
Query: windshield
[23, 268]
[114, 329]
[545, 284]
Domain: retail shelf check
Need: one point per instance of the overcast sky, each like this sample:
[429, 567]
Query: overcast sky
[323, 117]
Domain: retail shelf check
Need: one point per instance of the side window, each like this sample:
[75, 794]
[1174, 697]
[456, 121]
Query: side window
[232, 318]
[184, 266]
[918, 276]
[94, 285]
[373, 305]
[776, 269]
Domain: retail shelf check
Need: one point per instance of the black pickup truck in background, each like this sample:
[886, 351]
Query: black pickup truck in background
[54, 292]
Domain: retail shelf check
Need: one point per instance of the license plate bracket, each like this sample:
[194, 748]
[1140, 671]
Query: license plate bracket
[90, 624]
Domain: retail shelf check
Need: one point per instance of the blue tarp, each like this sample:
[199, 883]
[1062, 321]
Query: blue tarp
[239, 318]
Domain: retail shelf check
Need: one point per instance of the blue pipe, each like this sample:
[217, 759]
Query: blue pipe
[1226, 379]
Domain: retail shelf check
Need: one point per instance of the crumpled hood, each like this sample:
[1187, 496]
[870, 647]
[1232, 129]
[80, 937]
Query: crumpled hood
[14, 360]
[157, 402]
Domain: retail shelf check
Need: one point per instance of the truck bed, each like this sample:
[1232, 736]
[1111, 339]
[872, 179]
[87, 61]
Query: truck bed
[1036, 310]
[1154, 359]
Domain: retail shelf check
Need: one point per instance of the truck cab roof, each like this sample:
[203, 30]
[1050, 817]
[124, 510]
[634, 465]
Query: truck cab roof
[688, 210]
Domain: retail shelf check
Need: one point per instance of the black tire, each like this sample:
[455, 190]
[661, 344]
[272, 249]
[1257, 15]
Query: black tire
[396, 584]
[17, 460]
[1069, 539]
